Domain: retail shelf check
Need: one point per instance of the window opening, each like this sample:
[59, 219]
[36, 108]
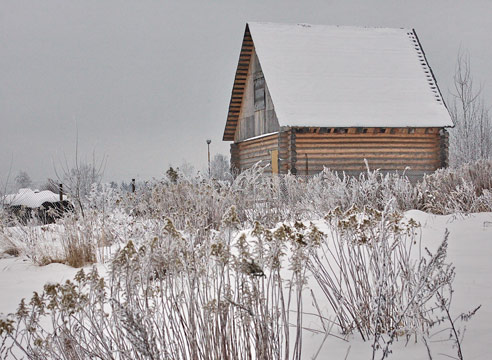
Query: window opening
[259, 86]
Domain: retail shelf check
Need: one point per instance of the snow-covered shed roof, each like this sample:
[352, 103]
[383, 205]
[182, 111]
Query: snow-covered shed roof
[342, 76]
[30, 198]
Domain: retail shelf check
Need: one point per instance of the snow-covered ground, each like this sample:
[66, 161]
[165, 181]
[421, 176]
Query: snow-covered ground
[470, 250]
[19, 278]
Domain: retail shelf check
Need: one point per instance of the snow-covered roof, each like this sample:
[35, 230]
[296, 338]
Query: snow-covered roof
[339, 76]
[30, 198]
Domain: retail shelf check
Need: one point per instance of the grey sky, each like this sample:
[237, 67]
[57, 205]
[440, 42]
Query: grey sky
[147, 82]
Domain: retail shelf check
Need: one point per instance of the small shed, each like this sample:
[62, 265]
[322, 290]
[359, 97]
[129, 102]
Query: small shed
[43, 205]
[312, 96]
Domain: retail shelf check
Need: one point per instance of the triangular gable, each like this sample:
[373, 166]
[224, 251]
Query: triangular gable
[239, 86]
[330, 76]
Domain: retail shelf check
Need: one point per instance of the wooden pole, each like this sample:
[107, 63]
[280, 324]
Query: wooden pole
[133, 185]
[61, 192]
[208, 151]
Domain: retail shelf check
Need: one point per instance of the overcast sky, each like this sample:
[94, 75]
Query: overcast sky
[145, 83]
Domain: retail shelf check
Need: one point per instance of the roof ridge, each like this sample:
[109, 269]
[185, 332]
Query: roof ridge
[308, 25]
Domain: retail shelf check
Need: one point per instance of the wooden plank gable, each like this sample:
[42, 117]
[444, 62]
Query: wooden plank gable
[239, 86]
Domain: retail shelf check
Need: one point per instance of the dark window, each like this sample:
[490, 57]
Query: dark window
[260, 93]
[340, 130]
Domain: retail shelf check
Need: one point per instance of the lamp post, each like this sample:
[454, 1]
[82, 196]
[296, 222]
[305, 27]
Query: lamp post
[208, 148]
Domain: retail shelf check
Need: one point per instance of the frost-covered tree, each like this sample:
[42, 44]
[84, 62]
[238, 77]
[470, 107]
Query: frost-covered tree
[78, 179]
[471, 139]
[81, 178]
[219, 167]
[186, 170]
[23, 180]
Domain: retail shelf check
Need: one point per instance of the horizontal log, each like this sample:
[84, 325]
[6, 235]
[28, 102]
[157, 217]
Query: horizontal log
[253, 155]
[372, 165]
[410, 173]
[419, 133]
[357, 160]
[367, 140]
[335, 153]
[366, 144]
[259, 146]
[247, 142]
[246, 157]
[355, 141]
[263, 155]
[310, 136]
[248, 164]
[263, 142]
[366, 149]
[383, 167]
[406, 162]
[361, 148]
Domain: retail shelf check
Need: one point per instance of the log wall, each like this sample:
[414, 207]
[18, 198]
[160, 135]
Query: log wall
[246, 153]
[423, 150]
[305, 151]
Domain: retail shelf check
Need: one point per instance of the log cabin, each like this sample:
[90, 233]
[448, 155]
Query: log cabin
[312, 96]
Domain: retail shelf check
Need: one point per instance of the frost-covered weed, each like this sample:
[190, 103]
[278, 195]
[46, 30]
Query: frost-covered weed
[184, 284]
[376, 277]
[112, 217]
[75, 240]
[457, 190]
[177, 296]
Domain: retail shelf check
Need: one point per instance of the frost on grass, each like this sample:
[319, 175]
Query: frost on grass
[376, 276]
[175, 296]
[201, 268]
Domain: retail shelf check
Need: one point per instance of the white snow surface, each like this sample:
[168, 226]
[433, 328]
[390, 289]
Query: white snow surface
[470, 249]
[31, 198]
[339, 76]
[19, 278]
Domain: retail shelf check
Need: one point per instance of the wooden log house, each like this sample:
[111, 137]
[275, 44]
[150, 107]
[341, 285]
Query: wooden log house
[311, 96]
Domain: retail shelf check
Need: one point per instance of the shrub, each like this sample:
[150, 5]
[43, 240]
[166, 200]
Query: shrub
[375, 276]
[173, 297]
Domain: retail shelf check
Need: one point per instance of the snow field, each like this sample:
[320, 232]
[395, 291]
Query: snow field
[470, 246]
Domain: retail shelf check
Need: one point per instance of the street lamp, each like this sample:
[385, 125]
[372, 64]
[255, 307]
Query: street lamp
[208, 148]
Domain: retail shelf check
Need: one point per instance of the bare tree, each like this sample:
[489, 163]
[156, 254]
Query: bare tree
[471, 139]
[78, 178]
[23, 180]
